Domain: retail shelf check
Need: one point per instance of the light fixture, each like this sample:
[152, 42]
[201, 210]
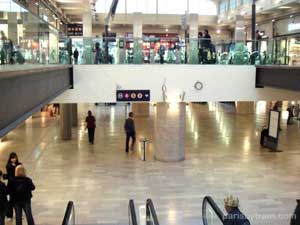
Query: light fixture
[285, 7]
[167, 30]
[218, 31]
[109, 29]
[291, 16]
[273, 20]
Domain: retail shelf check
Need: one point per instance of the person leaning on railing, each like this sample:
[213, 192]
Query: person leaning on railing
[234, 216]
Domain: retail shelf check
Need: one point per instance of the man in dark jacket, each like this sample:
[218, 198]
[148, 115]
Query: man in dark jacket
[296, 216]
[3, 200]
[91, 126]
[76, 55]
[234, 216]
[130, 131]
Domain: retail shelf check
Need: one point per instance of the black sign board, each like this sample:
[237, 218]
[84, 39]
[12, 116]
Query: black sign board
[133, 95]
[75, 29]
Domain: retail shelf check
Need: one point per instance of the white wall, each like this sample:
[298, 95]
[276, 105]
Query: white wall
[98, 83]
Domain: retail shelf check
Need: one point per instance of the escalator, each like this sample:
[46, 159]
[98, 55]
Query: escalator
[151, 217]
[211, 213]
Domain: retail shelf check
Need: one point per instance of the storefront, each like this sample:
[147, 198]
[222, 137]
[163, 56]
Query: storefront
[287, 41]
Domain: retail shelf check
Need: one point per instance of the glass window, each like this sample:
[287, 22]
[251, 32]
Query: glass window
[203, 7]
[144, 6]
[172, 6]
[233, 4]
[103, 6]
[223, 6]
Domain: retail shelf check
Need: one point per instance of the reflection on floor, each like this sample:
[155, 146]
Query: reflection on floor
[223, 157]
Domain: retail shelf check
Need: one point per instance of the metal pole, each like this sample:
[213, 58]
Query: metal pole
[253, 37]
[106, 44]
[185, 37]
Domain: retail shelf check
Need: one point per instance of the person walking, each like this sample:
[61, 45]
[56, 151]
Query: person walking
[76, 55]
[91, 126]
[130, 131]
[21, 193]
[295, 220]
[98, 53]
[3, 200]
[234, 215]
[11, 165]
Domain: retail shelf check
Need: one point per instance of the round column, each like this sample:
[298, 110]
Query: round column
[66, 121]
[170, 132]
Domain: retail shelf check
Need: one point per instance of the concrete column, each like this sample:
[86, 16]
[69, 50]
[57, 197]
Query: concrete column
[193, 44]
[74, 115]
[12, 27]
[141, 109]
[244, 107]
[66, 121]
[239, 33]
[170, 132]
[87, 22]
[137, 35]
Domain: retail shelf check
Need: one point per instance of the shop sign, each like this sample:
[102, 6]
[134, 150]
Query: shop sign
[293, 26]
[75, 29]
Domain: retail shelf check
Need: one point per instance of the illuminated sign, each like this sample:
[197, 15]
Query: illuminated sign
[293, 26]
[133, 95]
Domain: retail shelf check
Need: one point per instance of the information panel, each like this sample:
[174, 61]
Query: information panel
[133, 95]
[75, 29]
[273, 124]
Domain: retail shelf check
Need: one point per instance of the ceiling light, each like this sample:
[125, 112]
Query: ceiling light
[285, 7]
[273, 20]
[218, 31]
[167, 30]
[109, 29]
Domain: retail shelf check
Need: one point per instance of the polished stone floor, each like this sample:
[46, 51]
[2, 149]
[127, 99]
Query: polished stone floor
[223, 157]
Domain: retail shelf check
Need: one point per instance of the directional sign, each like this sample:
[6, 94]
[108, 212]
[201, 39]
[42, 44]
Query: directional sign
[133, 95]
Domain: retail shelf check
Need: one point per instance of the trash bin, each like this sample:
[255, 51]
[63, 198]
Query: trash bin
[143, 148]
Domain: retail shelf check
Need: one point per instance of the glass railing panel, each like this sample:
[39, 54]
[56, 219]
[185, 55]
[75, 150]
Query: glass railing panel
[212, 218]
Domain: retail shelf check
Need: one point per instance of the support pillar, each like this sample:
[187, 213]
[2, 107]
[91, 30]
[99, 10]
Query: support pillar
[244, 107]
[193, 57]
[170, 132]
[74, 115]
[12, 27]
[141, 109]
[87, 37]
[66, 121]
[137, 35]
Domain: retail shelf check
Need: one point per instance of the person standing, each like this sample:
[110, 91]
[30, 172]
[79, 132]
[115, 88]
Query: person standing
[295, 220]
[130, 131]
[91, 126]
[21, 188]
[234, 215]
[161, 52]
[11, 165]
[76, 55]
[3, 200]
[98, 53]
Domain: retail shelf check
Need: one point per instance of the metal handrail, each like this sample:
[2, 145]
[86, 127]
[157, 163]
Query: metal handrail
[69, 214]
[131, 213]
[209, 200]
[150, 212]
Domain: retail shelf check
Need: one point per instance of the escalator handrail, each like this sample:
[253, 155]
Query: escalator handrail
[151, 210]
[209, 200]
[132, 213]
[70, 211]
